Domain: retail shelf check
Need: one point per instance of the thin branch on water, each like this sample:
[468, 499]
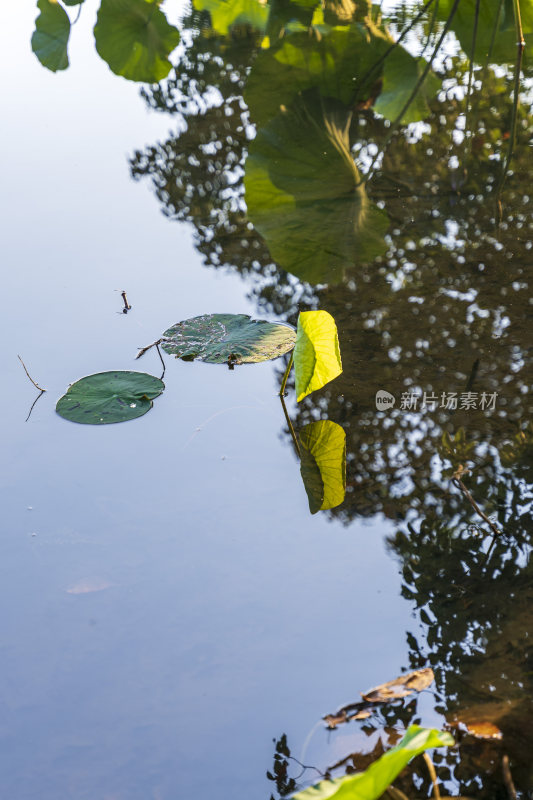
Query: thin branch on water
[460, 485]
[127, 306]
[304, 768]
[77, 15]
[162, 360]
[34, 402]
[144, 350]
[40, 388]
[489, 551]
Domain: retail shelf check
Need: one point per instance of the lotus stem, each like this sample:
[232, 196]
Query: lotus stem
[286, 375]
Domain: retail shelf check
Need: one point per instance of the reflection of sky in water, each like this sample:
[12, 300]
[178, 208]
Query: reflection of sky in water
[169, 603]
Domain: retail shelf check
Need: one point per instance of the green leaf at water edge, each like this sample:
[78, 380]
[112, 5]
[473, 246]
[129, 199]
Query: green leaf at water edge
[323, 465]
[50, 38]
[370, 784]
[108, 397]
[228, 339]
[135, 39]
[317, 358]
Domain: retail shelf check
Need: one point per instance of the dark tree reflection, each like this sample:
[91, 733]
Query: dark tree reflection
[446, 310]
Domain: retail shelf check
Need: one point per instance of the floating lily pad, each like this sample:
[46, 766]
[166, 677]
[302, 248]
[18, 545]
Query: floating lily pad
[50, 38]
[317, 357]
[109, 397]
[323, 466]
[228, 339]
[135, 39]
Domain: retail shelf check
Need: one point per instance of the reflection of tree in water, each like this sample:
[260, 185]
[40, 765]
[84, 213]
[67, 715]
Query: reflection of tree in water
[197, 174]
[426, 315]
[447, 309]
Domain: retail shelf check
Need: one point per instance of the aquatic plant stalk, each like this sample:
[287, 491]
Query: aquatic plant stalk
[520, 45]
[471, 66]
[415, 91]
[286, 375]
[291, 428]
[398, 41]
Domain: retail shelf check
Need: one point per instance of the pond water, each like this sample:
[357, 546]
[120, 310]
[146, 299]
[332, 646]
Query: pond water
[171, 605]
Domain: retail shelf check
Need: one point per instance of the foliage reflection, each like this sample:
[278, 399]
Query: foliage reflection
[422, 256]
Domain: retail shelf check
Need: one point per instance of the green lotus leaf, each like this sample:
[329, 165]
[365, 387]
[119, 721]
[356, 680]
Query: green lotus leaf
[323, 464]
[226, 13]
[317, 358]
[50, 38]
[135, 39]
[371, 784]
[228, 339]
[73, 2]
[109, 397]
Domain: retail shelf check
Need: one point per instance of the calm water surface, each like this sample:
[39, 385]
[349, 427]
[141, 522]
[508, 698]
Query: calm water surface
[170, 604]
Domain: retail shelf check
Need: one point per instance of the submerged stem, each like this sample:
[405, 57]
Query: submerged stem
[520, 45]
[471, 68]
[291, 428]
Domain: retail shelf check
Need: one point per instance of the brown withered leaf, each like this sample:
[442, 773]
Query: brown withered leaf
[344, 716]
[484, 730]
[400, 687]
[385, 693]
[479, 729]
[483, 720]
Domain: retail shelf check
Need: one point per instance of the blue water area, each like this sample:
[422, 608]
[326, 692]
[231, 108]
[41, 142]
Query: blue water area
[169, 604]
